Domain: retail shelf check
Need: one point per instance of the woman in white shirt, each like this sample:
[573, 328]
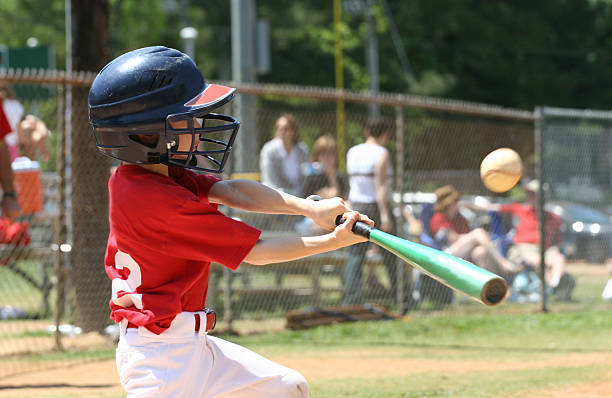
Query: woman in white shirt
[282, 159]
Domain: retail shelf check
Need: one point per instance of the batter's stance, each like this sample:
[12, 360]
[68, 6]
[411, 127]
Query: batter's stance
[151, 109]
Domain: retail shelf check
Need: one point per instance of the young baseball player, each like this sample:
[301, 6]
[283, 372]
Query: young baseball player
[152, 109]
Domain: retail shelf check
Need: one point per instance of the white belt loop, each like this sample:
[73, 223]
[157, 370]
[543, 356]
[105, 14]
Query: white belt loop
[203, 323]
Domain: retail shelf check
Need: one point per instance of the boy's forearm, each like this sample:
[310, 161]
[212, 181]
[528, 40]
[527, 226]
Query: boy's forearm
[255, 197]
[286, 249]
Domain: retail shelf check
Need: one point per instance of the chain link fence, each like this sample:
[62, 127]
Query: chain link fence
[576, 174]
[41, 279]
[54, 300]
[435, 142]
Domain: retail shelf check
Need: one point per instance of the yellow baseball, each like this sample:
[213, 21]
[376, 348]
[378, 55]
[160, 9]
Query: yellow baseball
[501, 169]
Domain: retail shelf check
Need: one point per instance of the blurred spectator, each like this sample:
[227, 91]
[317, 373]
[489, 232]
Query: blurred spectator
[369, 169]
[282, 158]
[10, 205]
[452, 231]
[526, 241]
[322, 177]
[32, 138]
[13, 110]
[413, 227]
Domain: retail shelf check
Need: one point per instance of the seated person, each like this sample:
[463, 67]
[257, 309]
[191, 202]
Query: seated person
[322, 177]
[456, 238]
[32, 136]
[526, 241]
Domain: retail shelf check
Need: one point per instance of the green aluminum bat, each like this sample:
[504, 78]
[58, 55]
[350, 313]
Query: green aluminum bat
[456, 273]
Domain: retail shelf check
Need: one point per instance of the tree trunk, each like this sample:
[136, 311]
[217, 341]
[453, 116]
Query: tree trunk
[90, 172]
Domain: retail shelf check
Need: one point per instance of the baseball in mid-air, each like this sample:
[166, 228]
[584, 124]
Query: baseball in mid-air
[501, 169]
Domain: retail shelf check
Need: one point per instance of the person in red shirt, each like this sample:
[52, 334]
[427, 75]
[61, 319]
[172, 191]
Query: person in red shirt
[454, 234]
[151, 109]
[526, 241]
[10, 206]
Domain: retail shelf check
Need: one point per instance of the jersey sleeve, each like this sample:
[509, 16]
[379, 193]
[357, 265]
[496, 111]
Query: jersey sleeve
[209, 235]
[205, 182]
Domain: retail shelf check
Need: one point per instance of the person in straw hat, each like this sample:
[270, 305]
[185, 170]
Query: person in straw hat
[456, 237]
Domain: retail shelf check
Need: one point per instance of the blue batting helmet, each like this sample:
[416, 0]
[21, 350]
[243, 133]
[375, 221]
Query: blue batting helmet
[142, 101]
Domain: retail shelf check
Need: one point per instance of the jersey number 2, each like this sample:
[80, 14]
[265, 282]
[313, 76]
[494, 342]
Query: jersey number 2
[127, 286]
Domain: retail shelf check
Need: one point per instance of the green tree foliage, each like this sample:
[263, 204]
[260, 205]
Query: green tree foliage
[515, 53]
[136, 24]
[512, 53]
[22, 19]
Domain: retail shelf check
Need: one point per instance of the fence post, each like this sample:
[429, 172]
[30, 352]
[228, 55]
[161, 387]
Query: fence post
[399, 187]
[339, 79]
[539, 171]
[60, 223]
[227, 298]
[90, 173]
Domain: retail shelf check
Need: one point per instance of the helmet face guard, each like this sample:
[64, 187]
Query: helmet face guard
[210, 137]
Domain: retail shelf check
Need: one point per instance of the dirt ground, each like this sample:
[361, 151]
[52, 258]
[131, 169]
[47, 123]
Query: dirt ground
[99, 379]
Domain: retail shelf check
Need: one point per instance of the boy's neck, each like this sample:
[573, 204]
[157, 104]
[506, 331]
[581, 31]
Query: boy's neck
[156, 168]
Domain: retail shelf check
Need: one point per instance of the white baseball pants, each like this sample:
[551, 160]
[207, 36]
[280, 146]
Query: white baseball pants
[183, 363]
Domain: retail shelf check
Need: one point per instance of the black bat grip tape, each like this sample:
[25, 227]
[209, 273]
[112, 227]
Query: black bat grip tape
[359, 228]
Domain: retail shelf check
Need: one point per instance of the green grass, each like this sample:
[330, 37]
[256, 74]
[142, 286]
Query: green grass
[499, 331]
[441, 384]
[16, 292]
[494, 336]
[92, 354]
[67, 356]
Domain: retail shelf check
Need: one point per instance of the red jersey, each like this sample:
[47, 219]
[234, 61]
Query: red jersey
[163, 236]
[458, 224]
[528, 228]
